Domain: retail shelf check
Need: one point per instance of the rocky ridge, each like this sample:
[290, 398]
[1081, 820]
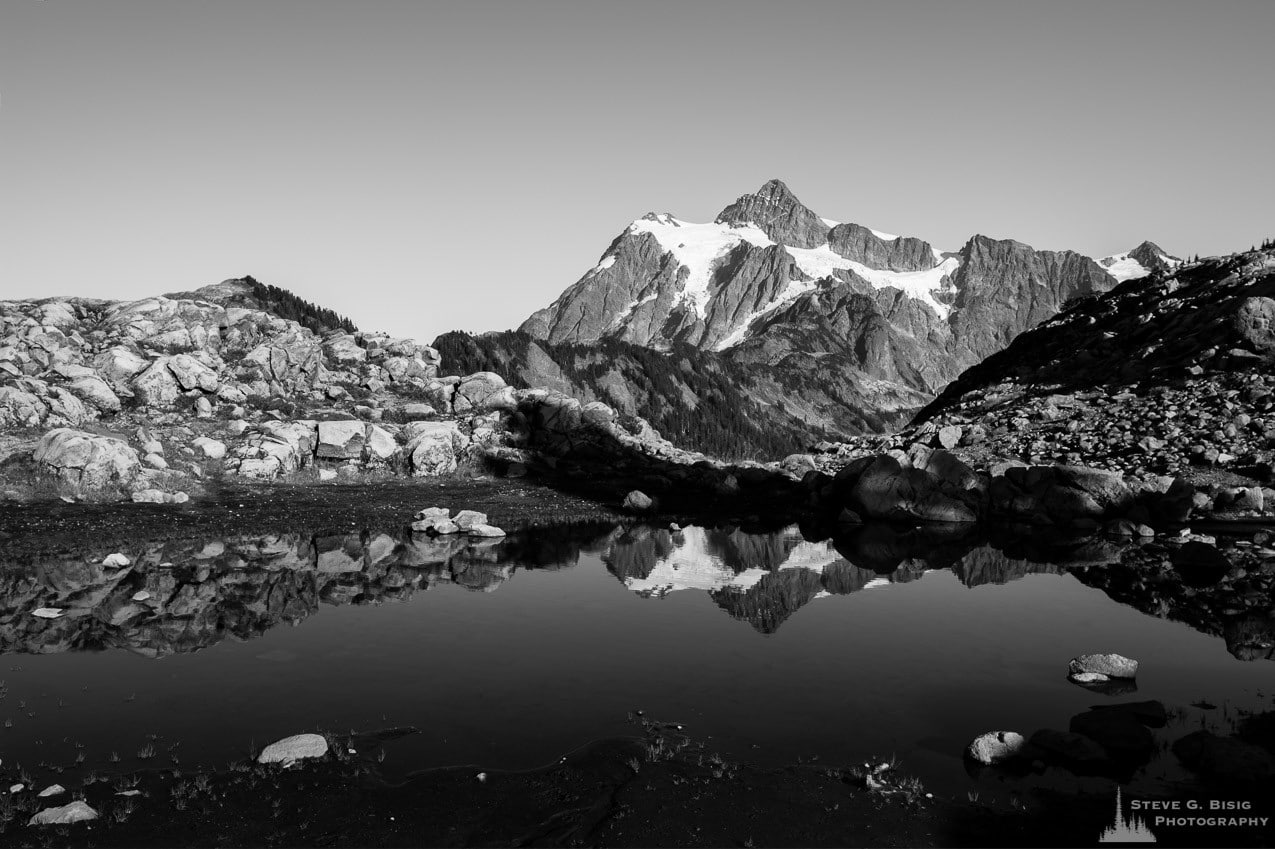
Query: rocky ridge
[155, 399]
[1166, 376]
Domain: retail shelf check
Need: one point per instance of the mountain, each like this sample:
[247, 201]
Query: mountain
[881, 323]
[699, 399]
[1169, 373]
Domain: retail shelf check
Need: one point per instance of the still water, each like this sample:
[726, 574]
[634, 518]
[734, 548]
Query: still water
[509, 653]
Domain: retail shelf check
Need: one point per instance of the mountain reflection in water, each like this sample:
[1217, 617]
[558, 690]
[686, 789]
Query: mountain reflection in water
[184, 595]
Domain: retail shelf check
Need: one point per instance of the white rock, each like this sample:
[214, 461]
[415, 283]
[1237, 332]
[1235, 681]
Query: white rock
[433, 513]
[17, 788]
[327, 474]
[291, 749]
[52, 790]
[467, 519]
[141, 595]
[47, 612]
[116, 560]
[155, 461]
[74, 812]
[211, 448]
[995, 746]
[485, 530]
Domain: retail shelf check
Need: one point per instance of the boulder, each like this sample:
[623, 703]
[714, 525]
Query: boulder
[1111, 665]
[292, 749]
[434, 448]
[210, 448]
[1069, 748]
[484, 530]
[483, 392]
[1224, 758]
[994, 747]
[156, 386]
[639, 502]
[381, 447]
[86, 460]
[1200, 564]
[96, 392]
[950, 436]
[341, 440]
[1116, 731]
[467, 519]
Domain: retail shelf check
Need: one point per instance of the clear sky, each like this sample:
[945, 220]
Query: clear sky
[428, 166]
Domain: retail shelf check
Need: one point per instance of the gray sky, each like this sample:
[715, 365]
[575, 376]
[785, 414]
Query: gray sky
[428, 166]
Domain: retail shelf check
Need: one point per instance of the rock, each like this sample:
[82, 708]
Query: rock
[1200, 564]
[639, 502]
[440, 526]
[96, 392]
[327, 474]
[116, 561]
[466, 519]
[141, 595]
[417, 411]
[1069, 748]
[47, 612]
[87, 461]
[433, 448]
[291, 749]
[485, 530]
[148, 496]
[75, 812]
[381, 447]
[433, 513]
[1116, 731]
[51, 790]
[1111, 665]
[950, 436]
[1150, 713]
[341, 440]
[1224, 758]
[155, 461]
[483, 392]
[994, 747]
[211, 448]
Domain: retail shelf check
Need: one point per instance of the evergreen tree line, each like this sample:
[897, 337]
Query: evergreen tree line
[285, 304]
[724, 422]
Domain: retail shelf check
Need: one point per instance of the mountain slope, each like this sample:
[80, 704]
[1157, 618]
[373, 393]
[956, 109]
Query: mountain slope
[1164, 374]
[869, 317]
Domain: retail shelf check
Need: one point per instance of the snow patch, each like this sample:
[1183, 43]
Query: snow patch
[823, 261]
[885, 237]
[697, 247]
[692, 566]
[830, 222]
[794, 290]
[1124, 267]
[607, 262]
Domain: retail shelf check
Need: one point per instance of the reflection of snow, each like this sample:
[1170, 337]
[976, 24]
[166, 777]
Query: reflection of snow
[692, 565]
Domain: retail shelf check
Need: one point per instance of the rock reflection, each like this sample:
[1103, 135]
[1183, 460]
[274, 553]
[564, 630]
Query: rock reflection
[184, 595]
[181, 596]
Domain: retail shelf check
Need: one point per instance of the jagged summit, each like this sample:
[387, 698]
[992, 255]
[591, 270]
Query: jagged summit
[775, 210]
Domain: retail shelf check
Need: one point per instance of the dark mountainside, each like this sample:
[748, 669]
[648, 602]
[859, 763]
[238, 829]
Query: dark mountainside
[837, 328]
[696, 399]
[250, 293]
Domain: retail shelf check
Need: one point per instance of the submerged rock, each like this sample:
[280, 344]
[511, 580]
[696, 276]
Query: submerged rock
[1224, 758]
